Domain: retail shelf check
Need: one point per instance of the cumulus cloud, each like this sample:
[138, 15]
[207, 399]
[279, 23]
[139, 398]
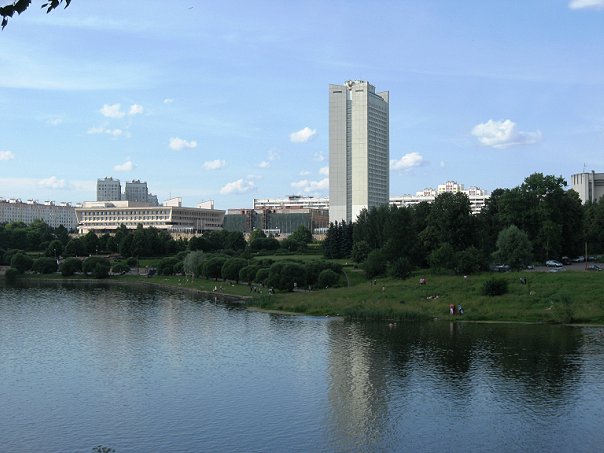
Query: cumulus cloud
[52, 183]
[178, 144]
[311, 186]
[126, 166]
[318, 157]
[324, 171]
[302, 136]
[502, 134]
[6, 155]
[54, 121]
[213, 164]
[112, 132]
[112, 111]
[586, 4]
[264, 164]
[136, 109]
[239, 186]
[407, 161]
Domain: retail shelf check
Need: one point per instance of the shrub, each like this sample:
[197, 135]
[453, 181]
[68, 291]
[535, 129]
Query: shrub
[11, 275]
[120, 268]
[261, 276]
[360, 251]
[45, 265]
[70, 266]
[21, 262]
[327, 277]
[375, 264]
[495, 287]
[97, 266]
[231, 267]
[132, 261]
[400, 268]
[166, 266]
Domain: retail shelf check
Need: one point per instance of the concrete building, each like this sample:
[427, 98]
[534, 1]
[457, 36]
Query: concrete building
[292, 202]
[478, 197]
[108, 189]
[106, 217]
[359, 149]
[278, 222]
[53, 214]
[589, 186]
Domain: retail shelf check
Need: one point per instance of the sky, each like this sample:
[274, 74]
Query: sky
[228, 101]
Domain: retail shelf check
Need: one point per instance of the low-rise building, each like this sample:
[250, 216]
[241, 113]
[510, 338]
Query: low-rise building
[107, 216]
[589, 186]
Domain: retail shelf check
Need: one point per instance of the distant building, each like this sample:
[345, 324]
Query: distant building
[478, 197]
[278, 222]
[589, 186]
[292, 202]
[108, 189]
[106, 217]
[359, 149]
[53, 214]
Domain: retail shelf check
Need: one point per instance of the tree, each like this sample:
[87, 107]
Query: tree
[328, 278]
[70, 266]
[375, 265]
[231, 267]
[513, 248]
[302, 234]
[166, 266]
[120, 268]
[45, 265]
[360, 251]
[212, 267]
[192, 263]
[19, 6]
[442, 258]
[54, 249]
[21, 262]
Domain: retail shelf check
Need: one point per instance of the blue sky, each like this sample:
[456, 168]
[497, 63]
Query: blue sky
[228, 101]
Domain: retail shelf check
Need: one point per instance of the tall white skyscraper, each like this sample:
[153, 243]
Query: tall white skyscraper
[359, 149]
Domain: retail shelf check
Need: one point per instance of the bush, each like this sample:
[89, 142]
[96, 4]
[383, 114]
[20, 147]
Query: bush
[21, 262]
[495, 287]
[45, 265]
[11, 275]
[132, 261]
[96, 266]
[327, 278]
[120, 268]
[70, 266]
[261, 276]
[375, 264]
[360, 251]
[166, 266]
[231, 267]
[400, 268]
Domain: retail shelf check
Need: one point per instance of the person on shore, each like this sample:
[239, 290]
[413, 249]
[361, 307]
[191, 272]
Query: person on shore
[451, 309]
[459, 309]
[422, 281]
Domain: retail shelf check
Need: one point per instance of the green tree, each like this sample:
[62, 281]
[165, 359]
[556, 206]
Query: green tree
[45, 265]
[360, 251]
[231, 267]
[11, 275]
[401, 267]
[19, 6]
[70, 266]
[54, 249]
[442, 258]
[302, 235]
[212, 267]
[192, 263]
[120, 268]
[375, 265]
[513, 248]
[21, 262]
[328, 278]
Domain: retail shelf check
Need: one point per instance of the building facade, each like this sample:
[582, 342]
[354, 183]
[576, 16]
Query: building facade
[51, 213]
[292, 202]
[106, 217]
[359, 149]
[108, 189]
[589, 186]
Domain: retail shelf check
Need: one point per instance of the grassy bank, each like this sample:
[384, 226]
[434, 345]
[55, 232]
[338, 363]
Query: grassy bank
[564, 297]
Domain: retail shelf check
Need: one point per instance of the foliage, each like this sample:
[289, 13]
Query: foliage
[11, 275]
[19, 6]
[315, 267]
[231, 267]
[45, 265]
[70, 266]
[263, 243]
[8, 255]
[338, 240]
[469, 261]
[74, 247]
[301, 235]
[262, 276]
[513, 248]
[21, 262]
[212, 267]
[132, 261]
[360, 251]
[401, 267]
[248, 273]
[495, 287]
[328, 278]
[375, 265]
[54, 249]
[166, 266]
[96, 266]
[192, 262]
[442, 258]
[120, 268]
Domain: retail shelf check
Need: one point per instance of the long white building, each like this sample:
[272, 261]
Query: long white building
[107, 216]
[359, 149]
[292, 202]
[478, 197]
[53, 214]
[589, 186]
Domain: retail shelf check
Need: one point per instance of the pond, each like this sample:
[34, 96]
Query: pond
[155, 370]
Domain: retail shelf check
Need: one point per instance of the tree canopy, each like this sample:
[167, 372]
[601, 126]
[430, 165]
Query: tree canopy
[19, 6]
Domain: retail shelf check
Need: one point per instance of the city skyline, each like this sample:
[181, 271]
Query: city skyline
[208, 102]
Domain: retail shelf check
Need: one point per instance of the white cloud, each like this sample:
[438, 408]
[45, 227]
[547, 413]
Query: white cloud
[52, 183]
[111, 132]
[112, 111]
[168, 101]
[136, 109]
[311, 186]
[213, 164]
[318, 157]
[178, 144]
[304, 173]
[501, 134]
[264, 164]
[585, 4]
[407, 161]
[273, 155]
[126, 166]
[324, 171]
[239, 186]
[6, 155]
[302, 136]
[54, 121]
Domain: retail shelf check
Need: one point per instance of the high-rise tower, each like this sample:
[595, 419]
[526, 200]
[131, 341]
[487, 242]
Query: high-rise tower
[359, 149]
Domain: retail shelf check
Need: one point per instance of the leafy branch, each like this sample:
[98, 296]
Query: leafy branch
[18, 6]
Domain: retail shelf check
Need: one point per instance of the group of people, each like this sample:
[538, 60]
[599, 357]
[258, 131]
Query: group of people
[453, 310]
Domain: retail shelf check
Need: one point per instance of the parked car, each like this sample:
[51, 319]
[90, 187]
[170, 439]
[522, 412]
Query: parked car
[566, 260]
[595, 267]
[579, 259]
[553, 263]
[500, 268]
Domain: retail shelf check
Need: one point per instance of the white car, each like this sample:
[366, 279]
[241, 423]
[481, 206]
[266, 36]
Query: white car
[553, 263]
